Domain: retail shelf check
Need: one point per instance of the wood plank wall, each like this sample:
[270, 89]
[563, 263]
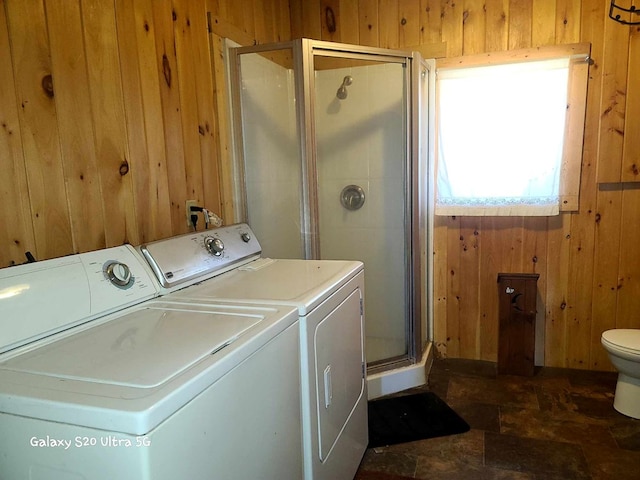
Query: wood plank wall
[108, 123]
[111, 118]
[588, 261]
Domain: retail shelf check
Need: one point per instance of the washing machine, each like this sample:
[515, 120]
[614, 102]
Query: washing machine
[328, 296]
[103, 377]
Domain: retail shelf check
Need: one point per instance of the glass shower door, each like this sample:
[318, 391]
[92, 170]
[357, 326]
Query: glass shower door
[361, 167]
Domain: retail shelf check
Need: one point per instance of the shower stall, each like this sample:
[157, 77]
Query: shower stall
[332, 147]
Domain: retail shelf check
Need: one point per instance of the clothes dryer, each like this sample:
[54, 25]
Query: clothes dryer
[329, 298]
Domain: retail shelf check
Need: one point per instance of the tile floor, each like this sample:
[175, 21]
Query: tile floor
[559, 424]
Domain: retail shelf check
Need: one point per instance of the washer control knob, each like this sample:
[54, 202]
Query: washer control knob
[214, 246]
[119, 274]
[246, 238]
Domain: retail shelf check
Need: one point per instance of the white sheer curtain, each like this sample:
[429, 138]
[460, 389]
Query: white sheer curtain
[500, 138]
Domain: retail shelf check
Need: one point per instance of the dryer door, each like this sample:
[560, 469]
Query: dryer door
[339, 360]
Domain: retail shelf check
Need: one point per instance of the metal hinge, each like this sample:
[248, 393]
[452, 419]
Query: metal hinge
[364, 370]
[361, 306]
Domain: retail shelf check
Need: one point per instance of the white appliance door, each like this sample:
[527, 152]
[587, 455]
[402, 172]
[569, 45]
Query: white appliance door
[338, 369]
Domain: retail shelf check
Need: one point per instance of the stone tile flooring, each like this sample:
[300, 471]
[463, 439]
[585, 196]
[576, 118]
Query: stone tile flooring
[559, 424]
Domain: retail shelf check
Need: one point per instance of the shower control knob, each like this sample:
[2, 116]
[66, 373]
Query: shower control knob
[214, 246]
[246, 238]
[118, 274]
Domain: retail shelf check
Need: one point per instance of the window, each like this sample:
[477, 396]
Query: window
[510, 132]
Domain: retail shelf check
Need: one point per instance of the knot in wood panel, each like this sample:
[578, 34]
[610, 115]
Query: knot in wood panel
[166, 70]
[330, 19]
[124, 168]
[47, 85]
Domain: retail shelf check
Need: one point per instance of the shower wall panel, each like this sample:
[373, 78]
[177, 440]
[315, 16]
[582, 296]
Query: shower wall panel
[272, 156]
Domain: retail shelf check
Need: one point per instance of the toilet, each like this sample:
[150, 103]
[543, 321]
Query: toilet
[623, 346]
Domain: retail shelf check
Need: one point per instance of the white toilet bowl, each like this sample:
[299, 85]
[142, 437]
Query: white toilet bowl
[623, 346]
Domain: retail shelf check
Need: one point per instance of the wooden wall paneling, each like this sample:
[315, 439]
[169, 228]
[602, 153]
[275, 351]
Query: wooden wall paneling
[631, 149]
[311, 19]
[153, 199]
[295, 11]
[107, 107]
[494, 242]
[221, 27]
[581, 267]
[389, 32]
[430, 21]
[497, 25]
[261, 25]
[469, 271]
[614, 64]
[228, 9]
[605, 274]
[213, 7]
[440, 284]
[171, 112]
[409, 23]
[510, 242]
[628, 304]
[543, 30]
[452, 18]
[16, 236]
[283, 21]
[534, 246]
[474, 27]
[247, 15]
[138, 156]
[520, 24]
[349, 22]
[583, 223]
[39, 129]
[188, 98]
[455, 284]
[331, 20]
[368, 30]
[429, 50]
[579, 320]
[209, 154]
[73, 105]
[558, 248]
[568, 16]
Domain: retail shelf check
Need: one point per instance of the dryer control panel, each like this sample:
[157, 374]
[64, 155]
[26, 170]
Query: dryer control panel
[186, 259]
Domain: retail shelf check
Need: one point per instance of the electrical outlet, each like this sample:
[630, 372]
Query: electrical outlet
[189, 204]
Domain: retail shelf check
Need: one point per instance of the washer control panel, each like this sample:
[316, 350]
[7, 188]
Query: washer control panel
[186, 259]
[59, 293]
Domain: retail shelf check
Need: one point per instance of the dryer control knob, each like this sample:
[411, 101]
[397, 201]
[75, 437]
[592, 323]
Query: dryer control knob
[119, 274]
[246, 238]
[214, 246]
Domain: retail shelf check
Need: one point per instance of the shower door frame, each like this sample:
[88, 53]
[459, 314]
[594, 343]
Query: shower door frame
[303, 51]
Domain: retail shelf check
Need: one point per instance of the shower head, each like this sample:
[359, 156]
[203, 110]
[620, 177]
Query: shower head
[342, 91]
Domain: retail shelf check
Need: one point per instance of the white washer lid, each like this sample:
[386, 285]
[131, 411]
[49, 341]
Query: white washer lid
[300, 283]
[142, 349]
[626, 339]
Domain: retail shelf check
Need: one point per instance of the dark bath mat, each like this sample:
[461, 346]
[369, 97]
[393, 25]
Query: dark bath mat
[411, 417]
